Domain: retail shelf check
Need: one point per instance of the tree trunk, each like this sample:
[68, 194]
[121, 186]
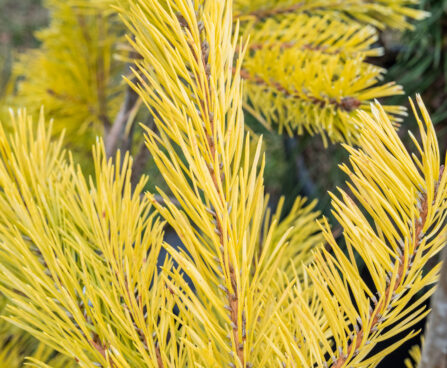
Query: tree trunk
[434, 353]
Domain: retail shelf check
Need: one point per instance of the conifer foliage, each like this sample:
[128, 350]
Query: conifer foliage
[74, 73]
[79, 255]
[305, 68]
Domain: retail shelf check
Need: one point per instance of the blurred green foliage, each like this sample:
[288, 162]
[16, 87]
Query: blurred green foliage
[18, 20]
[420, 63]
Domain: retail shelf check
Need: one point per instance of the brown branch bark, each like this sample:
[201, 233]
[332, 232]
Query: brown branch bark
[159, 358]
[434, 352]
[115, 137]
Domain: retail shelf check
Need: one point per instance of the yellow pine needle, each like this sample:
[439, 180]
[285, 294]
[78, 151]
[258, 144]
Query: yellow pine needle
[308, 72]
[415, 356]
[319, 82]
[19, 348]
[312, 90]
[186, 79]
[325, 34]
[79, 257]
[406, 198]
[73, 73]
[379, 13]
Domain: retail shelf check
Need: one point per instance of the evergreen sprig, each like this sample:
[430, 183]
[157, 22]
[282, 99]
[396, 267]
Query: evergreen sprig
[79, 256]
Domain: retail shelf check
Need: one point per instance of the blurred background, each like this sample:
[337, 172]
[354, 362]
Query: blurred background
[301, 165]
[18, 21]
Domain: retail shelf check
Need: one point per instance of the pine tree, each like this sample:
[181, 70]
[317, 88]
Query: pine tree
[80, 254]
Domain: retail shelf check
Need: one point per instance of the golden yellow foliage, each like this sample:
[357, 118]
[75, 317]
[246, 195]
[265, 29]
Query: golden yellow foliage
[379, 13]
[79, 259]
[405, 197]
[309, 73]
[18, 347]
[305, 68]
[415, 356]
[74, 73]
[80, 256]
[191, 84]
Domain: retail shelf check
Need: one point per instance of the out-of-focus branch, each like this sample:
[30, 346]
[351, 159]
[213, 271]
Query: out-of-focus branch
[434, 353]
[141, 157]
[119, 136]
[115, 137]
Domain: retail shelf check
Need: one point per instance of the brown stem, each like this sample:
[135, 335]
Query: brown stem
[102, 350]
[159, 359]
[347, 104]
[380, 307]
[115, 137]
[232, 295]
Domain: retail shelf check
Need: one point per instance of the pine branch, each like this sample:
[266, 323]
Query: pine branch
[92, 254]
[202, 57]
[286, 89]
[347, 104]
[337, 318]
[380, 14]
[300, 97]
[73, 73]
[207, 160]
[395, 281]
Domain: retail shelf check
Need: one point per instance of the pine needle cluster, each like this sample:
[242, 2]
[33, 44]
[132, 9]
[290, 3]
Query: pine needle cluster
[308, 63]
[74, 72]
[307, 67]
[80, 258]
